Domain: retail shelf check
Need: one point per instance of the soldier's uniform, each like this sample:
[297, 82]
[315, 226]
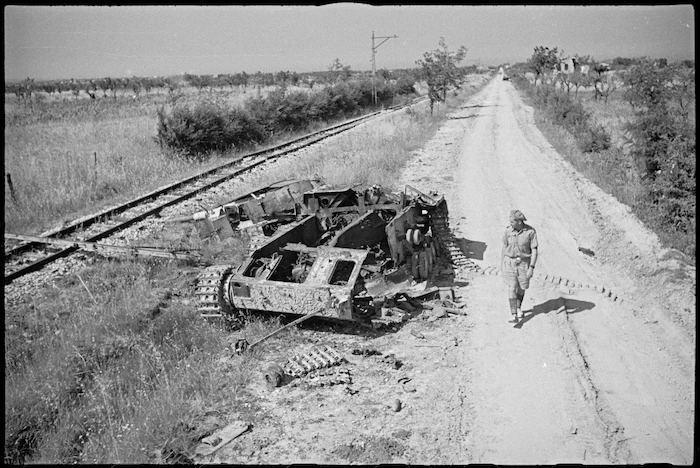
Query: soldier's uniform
[517, 253]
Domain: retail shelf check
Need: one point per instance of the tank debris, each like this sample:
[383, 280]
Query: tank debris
[363, 255]
[263, 209]
[318, 357]
[325, 377]
[313, 367]
[214, 442]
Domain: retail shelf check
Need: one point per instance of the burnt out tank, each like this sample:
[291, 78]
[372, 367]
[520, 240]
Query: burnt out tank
[346, 253]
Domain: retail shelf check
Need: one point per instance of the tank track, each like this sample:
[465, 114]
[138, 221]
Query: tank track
[210, 292]
[317, 358]
[324, 378]
[447, 243]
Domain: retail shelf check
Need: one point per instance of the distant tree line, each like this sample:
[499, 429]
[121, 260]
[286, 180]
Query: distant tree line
[136, 86]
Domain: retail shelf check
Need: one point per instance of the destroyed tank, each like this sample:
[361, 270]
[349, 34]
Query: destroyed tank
[347, 251]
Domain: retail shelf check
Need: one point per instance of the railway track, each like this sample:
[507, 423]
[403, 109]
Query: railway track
[23, 257]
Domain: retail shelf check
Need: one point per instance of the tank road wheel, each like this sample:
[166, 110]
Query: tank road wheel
[424, 264]
[212, 295]
[431, 258]
[415, 262]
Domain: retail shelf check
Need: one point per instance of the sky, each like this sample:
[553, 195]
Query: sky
[63, 42]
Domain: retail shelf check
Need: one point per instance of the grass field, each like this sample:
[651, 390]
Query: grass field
[105, 367]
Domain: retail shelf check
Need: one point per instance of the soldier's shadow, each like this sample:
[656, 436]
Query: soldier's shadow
[559, 305]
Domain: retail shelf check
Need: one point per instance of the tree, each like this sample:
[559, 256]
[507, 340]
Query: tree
[579, 80]
[543, 60]
[647, 85]
[566, 81]
[441, 71]
[338, 71]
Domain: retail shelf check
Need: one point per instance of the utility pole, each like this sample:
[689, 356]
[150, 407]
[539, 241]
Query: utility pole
[374, 63]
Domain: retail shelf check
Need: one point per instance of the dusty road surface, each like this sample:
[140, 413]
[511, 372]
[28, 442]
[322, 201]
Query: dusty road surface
[600, 370]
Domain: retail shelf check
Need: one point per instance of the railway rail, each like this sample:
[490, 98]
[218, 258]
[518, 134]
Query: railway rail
[25, 256]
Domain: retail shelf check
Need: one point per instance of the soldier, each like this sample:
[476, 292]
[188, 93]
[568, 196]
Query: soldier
[518, 259]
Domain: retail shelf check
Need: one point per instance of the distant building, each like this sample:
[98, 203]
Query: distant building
[568, 65]
[571, 64]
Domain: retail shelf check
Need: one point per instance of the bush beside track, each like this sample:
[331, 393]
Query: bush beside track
[208, 126]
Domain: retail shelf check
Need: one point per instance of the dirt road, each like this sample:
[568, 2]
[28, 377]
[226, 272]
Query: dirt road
[600, 370]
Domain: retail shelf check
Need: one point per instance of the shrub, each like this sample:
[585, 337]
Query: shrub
[193, 131]
[593, 140]
[570, 114]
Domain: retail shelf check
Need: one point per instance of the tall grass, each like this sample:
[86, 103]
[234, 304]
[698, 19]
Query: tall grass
[114, 378]
[59, 170]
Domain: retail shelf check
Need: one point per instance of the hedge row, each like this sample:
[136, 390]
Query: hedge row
[196, 131]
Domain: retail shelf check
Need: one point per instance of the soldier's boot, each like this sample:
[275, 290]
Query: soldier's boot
[513, 310]
[519, 310]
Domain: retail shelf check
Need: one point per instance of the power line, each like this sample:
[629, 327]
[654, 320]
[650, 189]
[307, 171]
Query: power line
[374, 63]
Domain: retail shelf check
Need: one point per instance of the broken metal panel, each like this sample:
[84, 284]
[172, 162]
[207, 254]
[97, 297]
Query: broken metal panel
[327, 289]
[390, 284]
[324, 199]
[215, 226]
[327, 262]
[254, 210]
[307, 232]
[279, 297]
[365, 231]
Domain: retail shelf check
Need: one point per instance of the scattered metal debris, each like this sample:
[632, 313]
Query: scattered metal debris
[406, 385]
[263, 209]
[366, 352]
[586, 251]
[316, 358]
[220, 438]
[175, 254]
[311, 363]
[392, 361]
[324, 377]
[243, 345]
